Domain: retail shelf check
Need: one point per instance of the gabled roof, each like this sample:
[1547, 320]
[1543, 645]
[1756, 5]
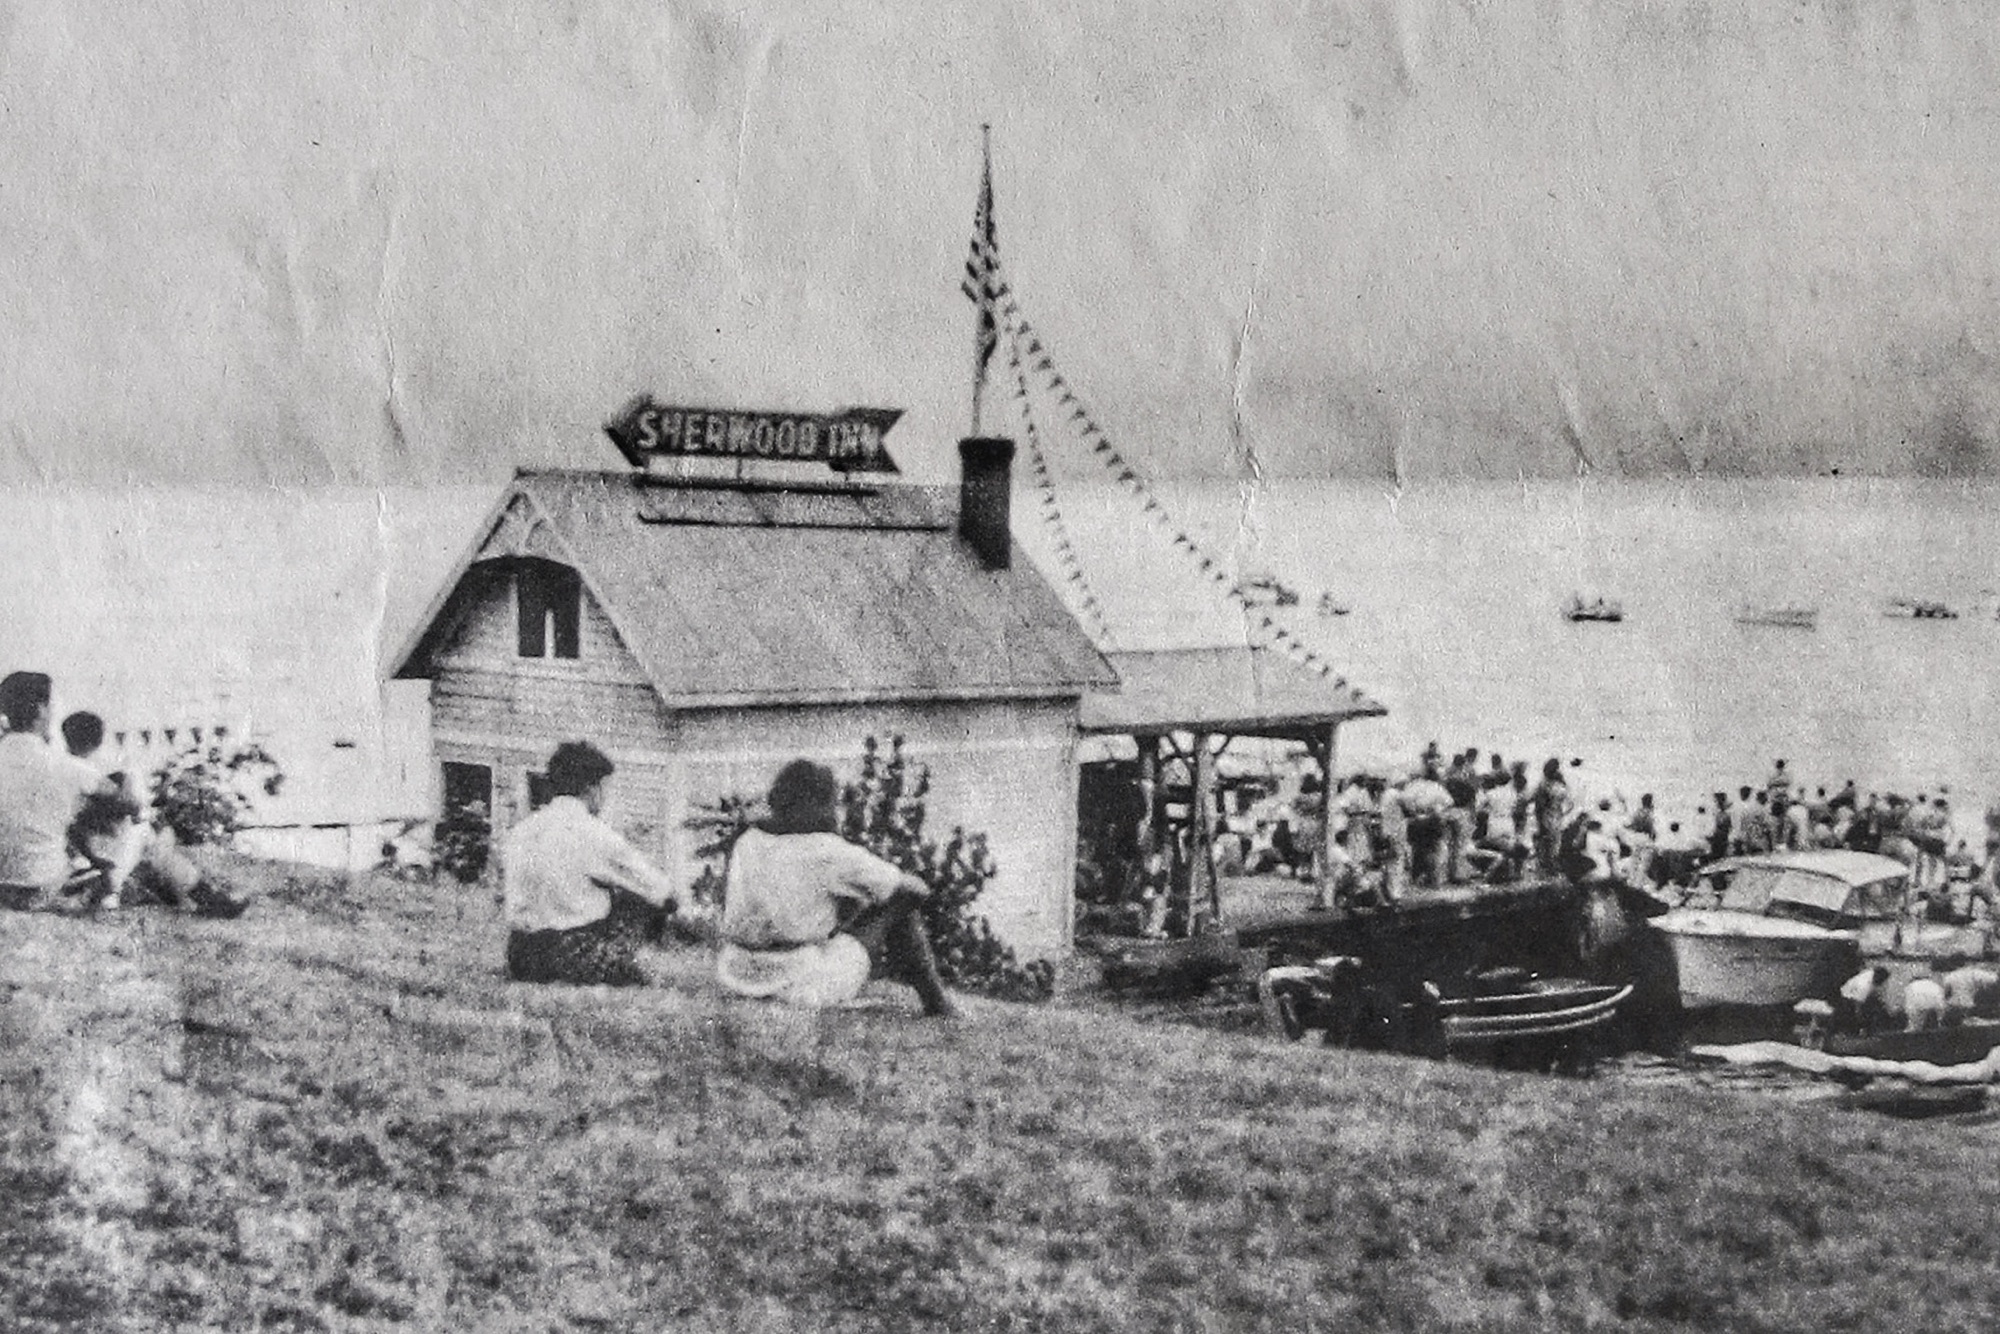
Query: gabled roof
[757, 594]
[1237, 690]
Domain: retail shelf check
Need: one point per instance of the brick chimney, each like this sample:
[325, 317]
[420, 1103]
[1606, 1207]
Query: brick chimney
[984, 492]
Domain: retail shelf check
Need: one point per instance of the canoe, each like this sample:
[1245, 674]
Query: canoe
[1794, 618]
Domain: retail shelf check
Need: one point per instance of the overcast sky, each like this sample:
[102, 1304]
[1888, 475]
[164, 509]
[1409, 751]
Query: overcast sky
[410, 240]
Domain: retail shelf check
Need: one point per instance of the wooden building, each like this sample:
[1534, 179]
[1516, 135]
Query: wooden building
[705, 630]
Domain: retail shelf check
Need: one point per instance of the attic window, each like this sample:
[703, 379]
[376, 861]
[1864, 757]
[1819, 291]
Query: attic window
[547, 598]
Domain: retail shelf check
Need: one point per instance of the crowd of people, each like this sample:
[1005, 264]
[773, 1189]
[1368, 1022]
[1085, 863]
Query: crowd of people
[74, 837]
[1485, 819]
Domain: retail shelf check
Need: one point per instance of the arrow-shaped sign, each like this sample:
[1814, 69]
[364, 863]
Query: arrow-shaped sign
[846, 441]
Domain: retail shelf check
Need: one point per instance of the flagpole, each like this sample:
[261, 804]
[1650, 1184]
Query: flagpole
[980, 355]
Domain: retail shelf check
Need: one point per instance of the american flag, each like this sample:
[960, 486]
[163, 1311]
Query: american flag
[984, 286]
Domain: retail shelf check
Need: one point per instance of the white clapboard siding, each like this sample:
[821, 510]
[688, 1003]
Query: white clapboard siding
[1004, 769]
[487, 703]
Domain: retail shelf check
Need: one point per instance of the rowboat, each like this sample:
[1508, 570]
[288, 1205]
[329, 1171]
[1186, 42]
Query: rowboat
[1919, 609]
[1788, 617]
[1531, 1018]
[1579, 608]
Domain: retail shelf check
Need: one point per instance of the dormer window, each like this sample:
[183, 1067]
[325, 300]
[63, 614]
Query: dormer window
[548, 602]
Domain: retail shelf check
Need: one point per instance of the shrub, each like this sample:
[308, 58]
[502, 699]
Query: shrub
[884, 810]
[202, 794]
[462, 842]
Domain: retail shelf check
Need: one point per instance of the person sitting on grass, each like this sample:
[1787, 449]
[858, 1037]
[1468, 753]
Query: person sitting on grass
[578, 898]
[808, 917]
[135, 865]
[41, 790]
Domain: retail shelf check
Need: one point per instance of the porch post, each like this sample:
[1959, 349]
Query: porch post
[1202, 888]
[1323, 854]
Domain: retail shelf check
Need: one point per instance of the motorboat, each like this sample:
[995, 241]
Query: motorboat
[1788, 617]
[1580, 608]
[1920, 609]
[1786, 926]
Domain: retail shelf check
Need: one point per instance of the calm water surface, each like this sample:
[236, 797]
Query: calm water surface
[168, 604]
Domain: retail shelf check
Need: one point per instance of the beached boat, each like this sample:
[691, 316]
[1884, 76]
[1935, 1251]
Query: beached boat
[1580, 608]
[1919, 609]
[1509, 1015]
[1788, 617]
[1957, 1045]
[1786, 927]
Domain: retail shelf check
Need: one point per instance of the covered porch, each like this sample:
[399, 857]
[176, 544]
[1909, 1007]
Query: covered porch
[1182, 709]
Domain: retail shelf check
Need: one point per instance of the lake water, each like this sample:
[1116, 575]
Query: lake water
[1456, 593]
[275, 611]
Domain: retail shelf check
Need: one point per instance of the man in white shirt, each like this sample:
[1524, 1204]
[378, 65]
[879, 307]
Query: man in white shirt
[41, 790]
[575, 892]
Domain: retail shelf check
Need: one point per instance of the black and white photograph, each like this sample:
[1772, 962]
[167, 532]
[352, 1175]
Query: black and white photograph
[776, 668]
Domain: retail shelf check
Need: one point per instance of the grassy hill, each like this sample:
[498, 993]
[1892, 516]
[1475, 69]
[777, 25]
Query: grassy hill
[335, 1115]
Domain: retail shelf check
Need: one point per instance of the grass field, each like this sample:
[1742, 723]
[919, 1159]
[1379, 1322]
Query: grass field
[335, 1115]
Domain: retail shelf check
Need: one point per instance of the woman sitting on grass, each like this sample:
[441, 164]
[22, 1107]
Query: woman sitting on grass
[808, 917]
[579, 898]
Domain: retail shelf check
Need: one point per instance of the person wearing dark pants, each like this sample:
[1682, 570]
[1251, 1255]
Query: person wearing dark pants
[808, 917]
[579, 898]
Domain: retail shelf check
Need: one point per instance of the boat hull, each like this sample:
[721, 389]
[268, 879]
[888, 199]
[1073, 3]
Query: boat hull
[1754, 961]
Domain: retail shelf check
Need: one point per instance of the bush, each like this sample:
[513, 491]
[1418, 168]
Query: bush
[462, 842]
[203, 794]
[884, 810]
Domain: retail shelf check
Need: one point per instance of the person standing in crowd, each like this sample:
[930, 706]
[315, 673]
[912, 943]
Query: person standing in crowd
[1427, 804]
[1933, 838]
[1491, 818]
[1395, 828]
[1779, 784]
[808, 917]
[41, 791]
[1864, 831]
[1799, 827]
[1645, 821]
[578, 898]
[1551, 810]
[1721, 834]
[1600, 848]
[1462, 783]
[1759, 831]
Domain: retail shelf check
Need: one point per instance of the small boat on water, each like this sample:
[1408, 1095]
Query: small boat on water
[1580, 608]
[1920, 609]
[1786, 927]
[1788, 617]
